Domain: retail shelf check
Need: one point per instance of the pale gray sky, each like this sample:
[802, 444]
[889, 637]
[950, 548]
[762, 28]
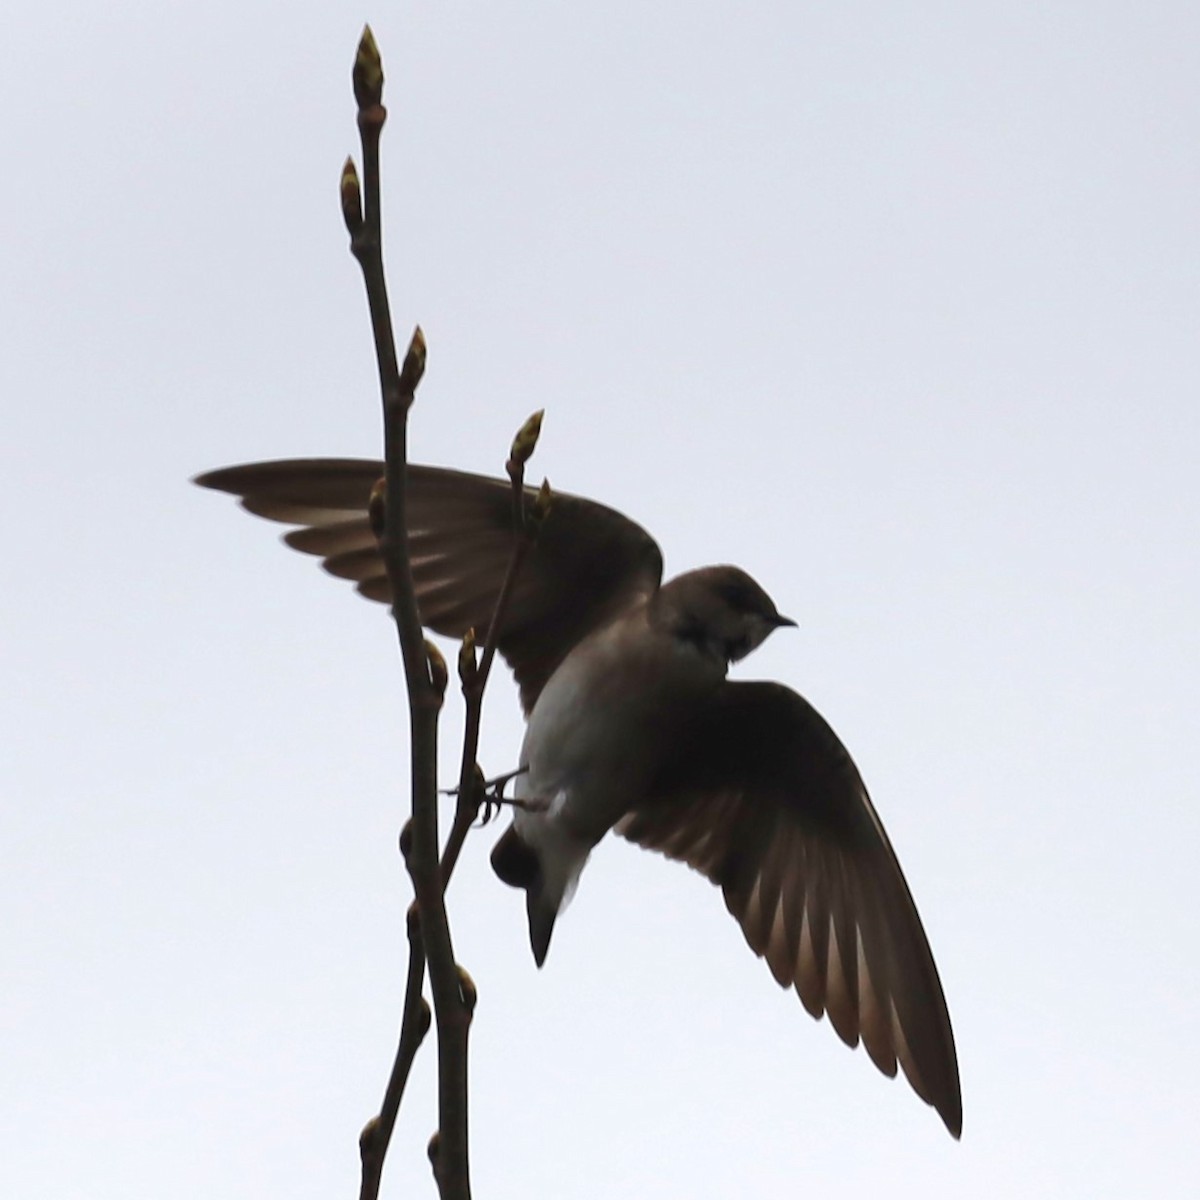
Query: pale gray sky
[894, 304]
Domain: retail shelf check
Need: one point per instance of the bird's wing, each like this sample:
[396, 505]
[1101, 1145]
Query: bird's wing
[762, 798]
[588, 563]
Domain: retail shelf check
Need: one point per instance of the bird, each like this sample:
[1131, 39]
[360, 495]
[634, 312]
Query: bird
[633, 726]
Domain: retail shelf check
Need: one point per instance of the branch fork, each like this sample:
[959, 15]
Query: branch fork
[426, 673]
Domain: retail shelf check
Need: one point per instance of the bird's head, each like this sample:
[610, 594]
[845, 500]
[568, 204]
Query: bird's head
[721, 610]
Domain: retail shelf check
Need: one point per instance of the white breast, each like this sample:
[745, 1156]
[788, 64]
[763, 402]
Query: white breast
[603, 719]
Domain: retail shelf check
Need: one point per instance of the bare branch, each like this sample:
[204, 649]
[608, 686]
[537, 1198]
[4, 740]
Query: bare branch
[425, 675]
[474, 678]
[376, 1136]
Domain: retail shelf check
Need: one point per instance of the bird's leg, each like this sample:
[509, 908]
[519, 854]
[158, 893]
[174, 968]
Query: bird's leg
[493, 803]
[492, 797]
[492, 788]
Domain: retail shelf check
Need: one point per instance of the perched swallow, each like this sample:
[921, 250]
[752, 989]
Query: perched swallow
[633, 726]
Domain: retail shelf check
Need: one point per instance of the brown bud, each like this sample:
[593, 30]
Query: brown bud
[351, 193]
[424, 1017]
[414, 363]
[434, 1149]
[467, 989]
[406, 840]
[467, 666]
[526, 440]
[439, 675]
[543, 502]
[367, 75]
[366, 1139]
[377, 508]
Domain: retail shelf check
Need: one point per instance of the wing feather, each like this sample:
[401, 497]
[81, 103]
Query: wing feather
[589, 562]
[764, 800]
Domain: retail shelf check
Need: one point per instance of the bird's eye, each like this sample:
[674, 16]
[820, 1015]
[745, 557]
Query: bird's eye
[737, 597]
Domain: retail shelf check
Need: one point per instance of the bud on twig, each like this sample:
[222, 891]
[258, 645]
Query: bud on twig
[367, 75]
[467, 666]
[406, 841]
[439, 675]
[370, 1131]
[526, 441]
[352, 212]
[377, 508]
[468, 990]
[543, 502]
[414, 363]
[434, 1149]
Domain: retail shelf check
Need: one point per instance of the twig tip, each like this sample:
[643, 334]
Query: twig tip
[526, 441]
[368, 71]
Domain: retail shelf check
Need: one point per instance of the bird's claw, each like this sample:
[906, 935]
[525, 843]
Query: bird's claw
[492, 797]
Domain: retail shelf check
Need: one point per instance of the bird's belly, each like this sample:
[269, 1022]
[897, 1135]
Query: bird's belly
[599, 729]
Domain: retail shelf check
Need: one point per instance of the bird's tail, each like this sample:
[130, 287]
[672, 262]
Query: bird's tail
[547, 877]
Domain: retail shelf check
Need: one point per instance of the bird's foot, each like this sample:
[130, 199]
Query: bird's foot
[494, 787]
[492, 804]
[492, 797]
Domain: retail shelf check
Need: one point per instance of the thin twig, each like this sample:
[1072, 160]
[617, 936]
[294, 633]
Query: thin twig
[424, 669]
[474, 678]
[375, 1138]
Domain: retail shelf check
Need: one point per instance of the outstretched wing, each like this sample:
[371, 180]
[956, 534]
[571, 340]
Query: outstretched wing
[762, 798]
[589, 561]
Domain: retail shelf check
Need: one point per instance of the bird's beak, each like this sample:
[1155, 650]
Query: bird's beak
[780, 621]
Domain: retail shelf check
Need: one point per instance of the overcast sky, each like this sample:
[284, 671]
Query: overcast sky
[894, 304]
